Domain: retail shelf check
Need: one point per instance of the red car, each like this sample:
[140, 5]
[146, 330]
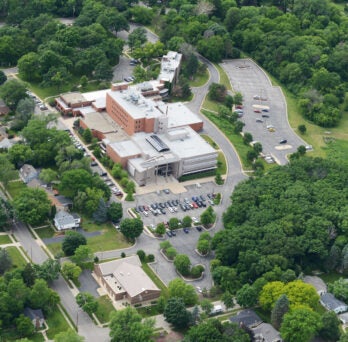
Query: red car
[257, 111]
[239, 107]
[195, 205]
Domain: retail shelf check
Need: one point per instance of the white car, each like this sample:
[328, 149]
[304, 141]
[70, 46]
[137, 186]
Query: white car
[195, 220]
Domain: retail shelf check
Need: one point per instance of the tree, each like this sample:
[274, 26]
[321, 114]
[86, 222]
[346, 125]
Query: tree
[247, 138]
[238, 98]
[68, 336]
[218, 178]
[246, 296]
[12, 92]
[48, 270]
[330, 330]
[300, 325]
[183, 264]
[137, 38]
[73, 181]
[42, 297]
[173, 223]
[141, 254]
[207, 306]
[302, 129]
[71, 271]
[257, 147]
[5, 261]
[100, 215]
[238, 127]
[7, 170]
[87, 135]
[24, 326]
[72, 241]
[126, 325]
[131, 228]
[29, 275]
[24, 111]
[227, 299]
[87, 302]
[186, 221]
[48, 175]
[281, 307]
[203, 247]
[208, 217]
[3, 77]
[339, 289]
[115, 211]
[32, 206]
[171, 253]
[19, 154]
[82, 254]
[160, 229]
[217, 92]
[176, 314]
[178, 288]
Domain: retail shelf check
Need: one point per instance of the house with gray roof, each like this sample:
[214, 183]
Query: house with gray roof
[64, 220]
[317, 282]
[36, 316]
[124, 279]
[331, 303]
[27, 173]
[266, 333]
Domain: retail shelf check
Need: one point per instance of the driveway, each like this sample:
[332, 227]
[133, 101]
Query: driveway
[88, 283]
[249, 79]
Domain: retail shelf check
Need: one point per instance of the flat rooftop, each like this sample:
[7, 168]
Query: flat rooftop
[73, 98]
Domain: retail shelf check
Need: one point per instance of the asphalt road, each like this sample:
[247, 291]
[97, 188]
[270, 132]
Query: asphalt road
[249, 79]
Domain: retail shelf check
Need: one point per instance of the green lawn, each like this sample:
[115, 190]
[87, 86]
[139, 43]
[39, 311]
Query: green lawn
[17, 259]
[148, 311]
[211, 142]
[105, 307]
[15, 187]
[45, 233]
[109, 239]
[56, 323]
[331, 277]
[223, 168]
[211, 105]
[223, 77]
[200, 79]
[4, 239]
[158, 282]
[236, 139]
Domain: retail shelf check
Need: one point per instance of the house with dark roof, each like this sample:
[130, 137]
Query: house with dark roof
[27, 173]
[124, 279]
[36, 316]
[246, 318]
[331, 303]
[64, 220]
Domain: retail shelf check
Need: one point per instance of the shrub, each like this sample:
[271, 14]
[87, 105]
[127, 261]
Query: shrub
[196, 271]
[150, 258]
[141, 254]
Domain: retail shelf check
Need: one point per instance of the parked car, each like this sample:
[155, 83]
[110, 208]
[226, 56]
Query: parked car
[257, 111]
[169, 233]
[186, 230]
[283, 141]
[265, 115]
[173, 232]
[199, 228]
[259, 120]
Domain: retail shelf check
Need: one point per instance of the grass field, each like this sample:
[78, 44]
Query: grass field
[15, 187]
[105, 307]
[200, 79]
[109, 239]
[223, 168]
[331, 277]
[56, 323]
[211, 142]
[17, 259]
[223, 77]
[44, 233]
[147, 269]
[4, 239]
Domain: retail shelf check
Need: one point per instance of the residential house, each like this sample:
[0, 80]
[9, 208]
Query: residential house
[4, 110]
[266, 333]
[64, 220]
[331, 303]
[317, 282]
[246, 318]
[125, 280]
[36, 316]
[27, 173]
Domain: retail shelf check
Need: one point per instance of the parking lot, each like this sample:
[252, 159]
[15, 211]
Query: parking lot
[165, 210]
[261, 99]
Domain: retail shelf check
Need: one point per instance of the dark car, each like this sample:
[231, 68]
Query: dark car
[163, 211]
[202, 198]
[265, 115]
[265, 110]
[186, 230]
[183, 207]
[169, 233]
[199, 228]
[173, 232]
[283, 141]
[259, 120]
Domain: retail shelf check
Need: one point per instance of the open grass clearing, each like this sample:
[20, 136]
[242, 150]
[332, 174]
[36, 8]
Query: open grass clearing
[200, 79]
[45, 233]
[211, 105]
[148, 311]
[17, 259]
[222, 168]
[5, 239]
[56, 323]
[105, 307]
[223, 77]
[15, 187]
[235, 139]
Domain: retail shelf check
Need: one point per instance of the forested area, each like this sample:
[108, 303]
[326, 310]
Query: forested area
[291, 220]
